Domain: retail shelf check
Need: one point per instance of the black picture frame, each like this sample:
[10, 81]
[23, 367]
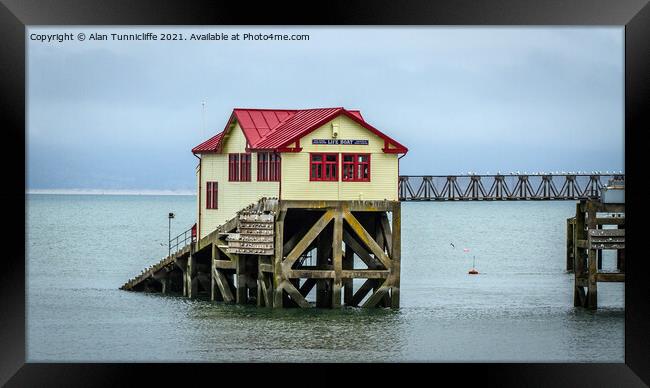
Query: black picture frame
[15, 15]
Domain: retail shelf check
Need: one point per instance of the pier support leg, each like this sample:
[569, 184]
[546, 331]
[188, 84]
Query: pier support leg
[599, 252]
[242, 289]
[592, 292]
[192, 284]
[337, 258]
[163, 283]
[570, 241]
[579, 297]
[396, 249]
[620, 255]
[278, 274]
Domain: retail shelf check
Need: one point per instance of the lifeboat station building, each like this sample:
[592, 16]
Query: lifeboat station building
[311, 154]
[296, 208]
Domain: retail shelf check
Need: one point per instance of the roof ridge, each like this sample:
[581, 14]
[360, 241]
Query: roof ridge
[285, 110]
[280, 124]
[294, 110]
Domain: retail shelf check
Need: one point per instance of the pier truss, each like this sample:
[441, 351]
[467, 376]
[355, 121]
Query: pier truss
[290, 254]
[502, 187]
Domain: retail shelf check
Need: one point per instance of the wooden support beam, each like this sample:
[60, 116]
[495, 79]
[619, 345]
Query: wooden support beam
[265, 291]
[307, 239]
[376, 297]
[582, 282]
[224, 286]
[610, 277]
[570, 223]
[361, 205]
[386, 230]
[226, 264]
[310, 274]
[365, 274]
[278, 273]
[592, 206]
[190, 274]
[592, 265]
[214, 256]
[223, 248]
[307, 286]
[367, 239]
[610, 221]
[337, 258]
[266, 267]
[396, 254]
[293, 240]
[360, 250]
[361, 293]
[163, 283]
[242, 278]
[580, 298]
[579, 236]
[295, 294]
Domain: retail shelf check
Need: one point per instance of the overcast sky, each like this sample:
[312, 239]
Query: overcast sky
[125, 114]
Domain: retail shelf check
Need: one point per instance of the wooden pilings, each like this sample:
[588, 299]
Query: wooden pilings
[319, 248]
[331, 235]
[588, 239]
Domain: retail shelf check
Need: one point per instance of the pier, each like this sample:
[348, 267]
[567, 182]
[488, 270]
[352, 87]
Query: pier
[475, 187]
[274, 253]
[586, 240]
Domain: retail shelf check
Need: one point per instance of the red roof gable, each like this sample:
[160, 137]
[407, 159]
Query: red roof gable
[210, 145]
[274, 129]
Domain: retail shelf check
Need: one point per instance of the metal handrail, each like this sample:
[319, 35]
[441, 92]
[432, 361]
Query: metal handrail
[179, 242]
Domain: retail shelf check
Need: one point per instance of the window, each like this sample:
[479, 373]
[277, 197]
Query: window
[245, 167]
[233, 167]
[262, 166]
[323, 167]
[356, 167]
[268, 166]
[212, 192]
[274, 167]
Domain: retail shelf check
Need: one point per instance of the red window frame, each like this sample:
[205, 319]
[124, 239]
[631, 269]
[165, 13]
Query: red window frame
[262, 166]
[212, 195]
[322, 169]
[233, 167]
[268, 167]
[245, 167]
[355, 167]
[274, 167]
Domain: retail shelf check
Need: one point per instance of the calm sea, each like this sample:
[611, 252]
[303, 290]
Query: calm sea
[82, 248]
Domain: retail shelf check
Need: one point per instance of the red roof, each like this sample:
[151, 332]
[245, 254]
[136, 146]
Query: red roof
[275, 129]
[210, 145]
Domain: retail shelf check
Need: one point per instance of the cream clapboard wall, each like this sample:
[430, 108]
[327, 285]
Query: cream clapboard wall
[232, 196]
[383, 167]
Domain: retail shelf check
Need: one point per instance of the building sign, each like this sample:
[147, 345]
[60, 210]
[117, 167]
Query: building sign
[339, 142]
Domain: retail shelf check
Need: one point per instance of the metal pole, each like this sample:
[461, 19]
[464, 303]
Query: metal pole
[169, 229]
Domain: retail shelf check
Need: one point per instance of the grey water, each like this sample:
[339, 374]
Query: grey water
[81, 248]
